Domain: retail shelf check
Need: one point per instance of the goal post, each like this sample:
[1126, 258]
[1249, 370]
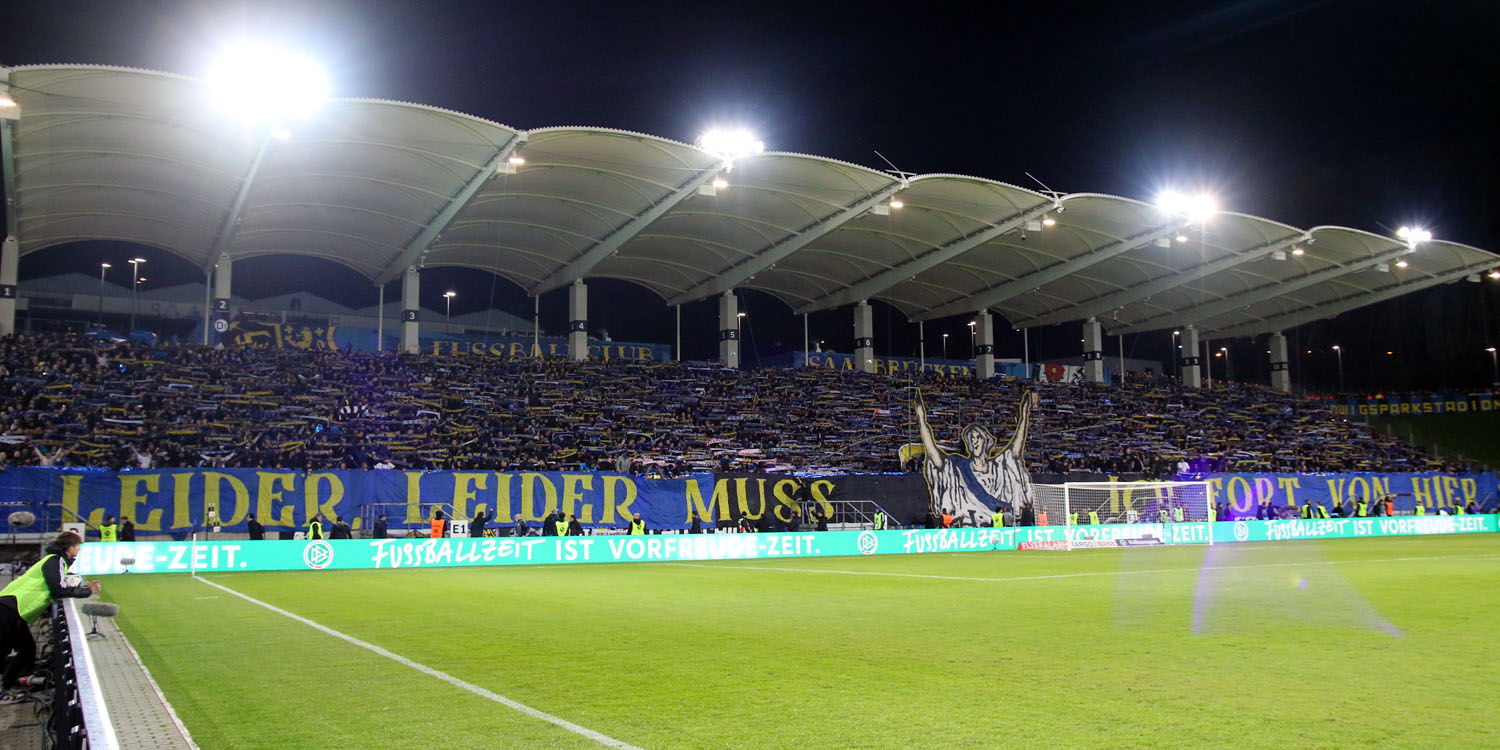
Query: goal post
[1105, 513]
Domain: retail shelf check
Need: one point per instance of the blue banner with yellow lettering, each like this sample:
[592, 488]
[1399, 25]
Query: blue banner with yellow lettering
[1241, 494]
[1416, 405]
[184, 500]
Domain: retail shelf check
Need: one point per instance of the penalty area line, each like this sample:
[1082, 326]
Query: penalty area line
[558, 721]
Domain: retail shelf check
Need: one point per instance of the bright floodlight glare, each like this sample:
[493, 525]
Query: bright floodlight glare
[281, 134]
[1335, 347]
[137, 260]
[259, 83]
[1048, 221]
[450, 295]
[6, 101]
[1490, 349]
[1195, 207]
[1182, 238]
[731, 144]
[720, 183]
[897, 204]
[517, 160]
[105, 265]
[1401, 264]
[1298, 251]
[1495, 274]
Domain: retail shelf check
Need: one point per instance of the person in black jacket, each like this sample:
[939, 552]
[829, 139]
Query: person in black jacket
[341, 529]
[26, 599]
[253, 526]
[127, 531]
[696, 527]
[476, 526]
[549, 525]
[379, 532]
[574, 527]
[820, 520]
[520, 528]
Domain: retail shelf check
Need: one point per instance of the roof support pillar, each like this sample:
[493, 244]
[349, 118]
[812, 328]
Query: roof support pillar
[729, 331]
[10, 256]
[1281, 375]
[864, 337]
[1093, 351]
[578, 321]
[1191, 377]
[411, 303]
[984, 348]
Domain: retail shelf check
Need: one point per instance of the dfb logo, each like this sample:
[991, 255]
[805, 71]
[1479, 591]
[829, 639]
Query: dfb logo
[868, 542]
[1241, 531]
[318, 554]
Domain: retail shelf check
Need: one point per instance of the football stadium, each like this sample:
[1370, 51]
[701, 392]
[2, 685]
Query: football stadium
[233, 519]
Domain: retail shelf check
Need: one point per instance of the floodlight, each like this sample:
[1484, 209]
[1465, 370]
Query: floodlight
[450, 295]
[1495, 274]
[1048, 221]
[517, 160]
[1182, 238]
[897, 204]
[6, 101]
[739, 315]
[1491, 349]
[105, 265]
[1401, 264]
[1195, 208]
[1414, 235]
[1335, 347]
[730, 144]
[720, 183]
[137, 260]
[1298, 251]
[259, 83]
[973, 323]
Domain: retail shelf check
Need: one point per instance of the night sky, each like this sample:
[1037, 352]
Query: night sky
[1365, 114]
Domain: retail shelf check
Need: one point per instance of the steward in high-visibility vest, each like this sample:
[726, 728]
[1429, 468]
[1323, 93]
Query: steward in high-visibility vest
[1421, 510]
[1322, 511]
[637, 526]
[879, 520]
[315, 527]
[27, 597]
[438, 524]
[1094, 517]
[998, 519]
[1072, 519]
[1361, 509]
[1458, 509]
[1177, 514]
[1307, 511]
[561, 525]
[1161, 515]
[108, 531]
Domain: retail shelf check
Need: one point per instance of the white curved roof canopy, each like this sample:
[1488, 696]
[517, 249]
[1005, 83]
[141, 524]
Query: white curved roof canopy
[122, 154]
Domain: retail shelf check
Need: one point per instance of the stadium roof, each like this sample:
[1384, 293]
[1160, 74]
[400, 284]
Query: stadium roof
[120, 154]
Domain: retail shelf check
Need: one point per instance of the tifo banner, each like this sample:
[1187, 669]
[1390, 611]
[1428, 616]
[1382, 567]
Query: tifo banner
[385, 554]
[1380, 405]
[277, 335]
[1241, 494]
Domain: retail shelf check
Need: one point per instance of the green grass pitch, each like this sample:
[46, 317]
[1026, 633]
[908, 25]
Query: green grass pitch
[1361, 643]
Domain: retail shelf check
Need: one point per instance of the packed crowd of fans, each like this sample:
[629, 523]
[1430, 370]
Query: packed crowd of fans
[69, 401]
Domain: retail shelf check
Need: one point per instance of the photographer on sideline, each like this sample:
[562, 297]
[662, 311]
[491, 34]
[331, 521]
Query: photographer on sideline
[27, 597]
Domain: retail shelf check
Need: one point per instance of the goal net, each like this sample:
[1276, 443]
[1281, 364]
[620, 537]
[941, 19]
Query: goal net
[1104, 513]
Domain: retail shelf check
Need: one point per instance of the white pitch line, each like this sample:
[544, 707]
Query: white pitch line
[1077, 575]
[441, 675]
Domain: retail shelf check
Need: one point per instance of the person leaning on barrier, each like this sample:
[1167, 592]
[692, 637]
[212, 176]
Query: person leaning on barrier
[27, 597]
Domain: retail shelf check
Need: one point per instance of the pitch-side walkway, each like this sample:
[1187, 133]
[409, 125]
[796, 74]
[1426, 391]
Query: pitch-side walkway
[143, 720]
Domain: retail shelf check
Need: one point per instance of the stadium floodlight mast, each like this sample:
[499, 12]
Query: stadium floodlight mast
[945, 346]
[1225, 350]
[730, 144]
[448, 298]
[1339, 352]
[1176, 355]
[1414, 235]
[1495, 365]
[102, 268]
[259, 83]
[135, 288]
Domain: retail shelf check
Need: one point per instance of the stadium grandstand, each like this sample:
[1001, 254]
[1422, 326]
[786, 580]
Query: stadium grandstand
[285, 454]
